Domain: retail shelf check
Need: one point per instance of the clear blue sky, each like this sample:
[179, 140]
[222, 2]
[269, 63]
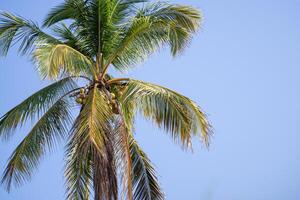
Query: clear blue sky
[242, 69]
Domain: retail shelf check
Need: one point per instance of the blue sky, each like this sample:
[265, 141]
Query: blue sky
[242, 69]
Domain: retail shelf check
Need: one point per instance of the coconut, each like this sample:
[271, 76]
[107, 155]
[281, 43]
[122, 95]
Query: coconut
[113, 102]
[113, 96]
[79, 100]
[82, 90]
[115, 110]
[120, 93]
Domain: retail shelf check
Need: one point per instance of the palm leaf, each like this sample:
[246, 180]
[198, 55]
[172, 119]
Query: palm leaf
[14, 28]
[70, 37]
[122, 152]
[78, 171]
[91, 137]
[58, 60]
[69, 9]
[92, 122]
[168, 109]
[145, 183]
[113, 14]
[51, 127]
[95, 21]
[154, 26]
[35, 105]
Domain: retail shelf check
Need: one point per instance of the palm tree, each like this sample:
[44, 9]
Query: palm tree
[83, 39]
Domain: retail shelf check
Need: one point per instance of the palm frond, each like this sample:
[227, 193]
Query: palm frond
[168, 109]
[116, 12]
[78, 172]
[145, 183]
[14, 29]
[93, 120]
[153, 27]
[69, 36]
[55, 60]
[83, 21]
[123, 159]
[49, 129]
[91, 137]
[69, 9]
[34, 106]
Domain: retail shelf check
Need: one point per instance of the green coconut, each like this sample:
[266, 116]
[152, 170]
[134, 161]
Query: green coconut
[113, 96]
[120, 93]
[79, 100]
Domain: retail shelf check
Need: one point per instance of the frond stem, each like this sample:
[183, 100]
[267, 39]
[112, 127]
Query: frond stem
[117, 80]
[84, 77]
[104, 71]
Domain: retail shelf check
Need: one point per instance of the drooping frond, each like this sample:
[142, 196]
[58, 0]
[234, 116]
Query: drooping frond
[154, 26]
[14, 29]
[169, 110]
[122, 152]
[55, 60]
[78, 172]
[93, 120]
[91, 137]
[34, 106]
[145, 183]
[49, 129]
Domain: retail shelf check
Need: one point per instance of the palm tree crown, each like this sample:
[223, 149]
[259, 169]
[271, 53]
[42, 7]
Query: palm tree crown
[83, 39]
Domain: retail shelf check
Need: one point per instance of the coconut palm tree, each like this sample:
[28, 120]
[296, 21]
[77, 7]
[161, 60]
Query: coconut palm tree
[77, 44]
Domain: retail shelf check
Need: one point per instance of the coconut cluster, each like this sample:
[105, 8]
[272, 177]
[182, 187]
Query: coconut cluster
[81, 97]
[110, 98]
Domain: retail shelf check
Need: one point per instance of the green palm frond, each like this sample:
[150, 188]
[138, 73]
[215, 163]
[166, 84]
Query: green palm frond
[14, 29]
[83, 20]
[145, 183]
[154, 26]
[55, 60]
[116, 13]
[186, 16]
[104, 20]
[34, 105]
[169, 110]
[69, 36]
[96, 21]
[78, 171]
[136, 44]
[69, 9]
[49, 129]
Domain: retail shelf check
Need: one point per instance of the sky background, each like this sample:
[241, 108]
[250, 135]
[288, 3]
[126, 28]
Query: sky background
[242, 69]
